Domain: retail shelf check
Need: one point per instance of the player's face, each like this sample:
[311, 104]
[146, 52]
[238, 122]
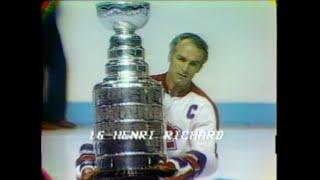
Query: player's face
[186, 61]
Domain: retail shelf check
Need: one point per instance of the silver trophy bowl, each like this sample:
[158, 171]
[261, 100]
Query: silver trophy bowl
[123, 15]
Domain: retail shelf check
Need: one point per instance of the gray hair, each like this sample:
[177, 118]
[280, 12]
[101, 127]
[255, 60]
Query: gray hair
[197, 40]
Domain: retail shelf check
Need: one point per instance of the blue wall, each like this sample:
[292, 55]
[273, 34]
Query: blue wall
[251, 114]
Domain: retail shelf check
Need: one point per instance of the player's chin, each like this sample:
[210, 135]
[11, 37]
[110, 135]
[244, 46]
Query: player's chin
[183, 82]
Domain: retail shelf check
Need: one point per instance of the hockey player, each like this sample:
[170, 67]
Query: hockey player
[186, 109]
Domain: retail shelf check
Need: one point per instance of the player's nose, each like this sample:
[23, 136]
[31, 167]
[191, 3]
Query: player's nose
[185, 68]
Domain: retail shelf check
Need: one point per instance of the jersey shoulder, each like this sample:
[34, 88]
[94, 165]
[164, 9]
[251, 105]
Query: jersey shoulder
[199, 92]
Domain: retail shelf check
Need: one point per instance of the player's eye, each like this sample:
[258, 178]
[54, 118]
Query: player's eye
[181, 58]
[194, 63]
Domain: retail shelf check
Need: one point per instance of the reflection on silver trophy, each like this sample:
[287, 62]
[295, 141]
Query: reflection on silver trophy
[127, 99]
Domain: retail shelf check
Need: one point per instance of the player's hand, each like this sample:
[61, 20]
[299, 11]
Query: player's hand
[166, 169]
[179, 168]
[85, 163]
[88, 173]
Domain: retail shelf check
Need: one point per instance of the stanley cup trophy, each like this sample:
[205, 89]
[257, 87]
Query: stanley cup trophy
[129, 124]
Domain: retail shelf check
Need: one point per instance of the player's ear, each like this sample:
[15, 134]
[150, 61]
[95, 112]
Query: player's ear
[203, 62]
[170, 55]
[200, 67]
[169, 58]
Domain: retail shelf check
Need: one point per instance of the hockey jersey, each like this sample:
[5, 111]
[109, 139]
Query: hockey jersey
[191, 112]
